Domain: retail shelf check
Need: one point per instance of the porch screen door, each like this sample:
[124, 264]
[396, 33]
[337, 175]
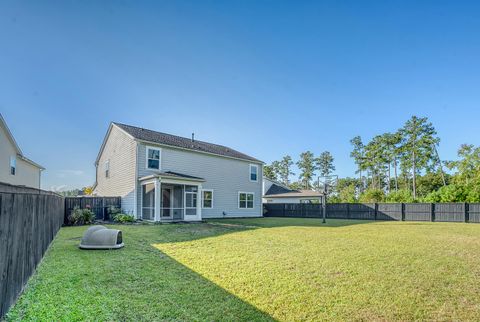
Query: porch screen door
[166, 202]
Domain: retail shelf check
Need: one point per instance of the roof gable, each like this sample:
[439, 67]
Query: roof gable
[184, 143]
[276, 189]
[9, 134]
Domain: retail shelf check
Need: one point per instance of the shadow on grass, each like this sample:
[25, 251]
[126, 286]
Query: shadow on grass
[273, 222]
[136, 283]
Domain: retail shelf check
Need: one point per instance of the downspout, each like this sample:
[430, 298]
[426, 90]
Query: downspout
[135, 196]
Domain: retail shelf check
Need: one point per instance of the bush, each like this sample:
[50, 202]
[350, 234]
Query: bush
[123, 218]
[450, 193]
[372, 195]
[81, 217]
[113, 211]
[402, 195]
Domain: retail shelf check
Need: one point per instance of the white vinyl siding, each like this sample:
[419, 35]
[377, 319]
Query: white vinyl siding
[225, 176]
[26, 174]
[119, 151]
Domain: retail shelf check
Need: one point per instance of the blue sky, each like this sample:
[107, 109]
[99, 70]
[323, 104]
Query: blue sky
[264, 77]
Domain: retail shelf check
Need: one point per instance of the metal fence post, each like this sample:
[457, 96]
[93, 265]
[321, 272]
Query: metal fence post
[375, 206]
[432, 211]
[403, 211]
[466, 211]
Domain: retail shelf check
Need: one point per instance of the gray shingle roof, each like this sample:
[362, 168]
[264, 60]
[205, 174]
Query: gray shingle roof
[181, 142]
[296, 193]
[276, 189]
[171, 174]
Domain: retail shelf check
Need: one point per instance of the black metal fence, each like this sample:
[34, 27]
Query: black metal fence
[99, 205]
[449, 212]
[29, 220]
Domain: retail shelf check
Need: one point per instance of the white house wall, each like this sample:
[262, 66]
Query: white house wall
[120, 150]
[225, 176]
[26, 174]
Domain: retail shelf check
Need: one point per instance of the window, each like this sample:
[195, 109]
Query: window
[253, 172]
[153, 158]
[207, 198]
[245, 200]
[191, 200]
[13, 165]
[310, 201]
[106, 167]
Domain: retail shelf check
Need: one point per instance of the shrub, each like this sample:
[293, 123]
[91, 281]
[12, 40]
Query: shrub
[123, 218]
[113, 211]
[372, 195]
[450, 193]
[402, 195]
[81, 217]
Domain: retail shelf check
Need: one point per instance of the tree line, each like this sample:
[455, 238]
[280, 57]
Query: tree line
[309, 165]
[399, 166]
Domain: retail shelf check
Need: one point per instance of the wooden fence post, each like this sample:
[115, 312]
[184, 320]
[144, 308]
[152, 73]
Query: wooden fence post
[403, 211]
[103, 209]
[375, 207]
[432, 211]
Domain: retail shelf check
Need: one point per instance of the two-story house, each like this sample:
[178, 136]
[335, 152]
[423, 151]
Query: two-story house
[163, 177]
[15, 168]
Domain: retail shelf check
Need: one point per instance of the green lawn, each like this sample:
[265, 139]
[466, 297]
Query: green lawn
[263, 269]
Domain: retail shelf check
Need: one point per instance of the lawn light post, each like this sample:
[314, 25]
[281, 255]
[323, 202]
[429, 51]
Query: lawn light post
[325, 182]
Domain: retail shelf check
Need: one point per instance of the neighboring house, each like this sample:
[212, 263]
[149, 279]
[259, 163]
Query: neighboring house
[276, 192]
[163, 177]
[15, 168]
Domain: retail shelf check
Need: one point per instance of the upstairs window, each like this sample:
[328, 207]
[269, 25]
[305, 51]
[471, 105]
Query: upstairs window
[153, 158]
[253, 172]
[13, 165]
[207, 198]
[106, 167]
[245, 200]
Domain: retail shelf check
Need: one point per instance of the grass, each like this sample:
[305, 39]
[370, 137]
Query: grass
[263, 269]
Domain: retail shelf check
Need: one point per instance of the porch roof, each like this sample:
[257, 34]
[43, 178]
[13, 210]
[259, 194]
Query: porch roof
[172, 175]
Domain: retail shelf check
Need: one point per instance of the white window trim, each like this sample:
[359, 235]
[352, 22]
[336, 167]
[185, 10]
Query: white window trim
[250, 172]
[14, 166]
[159, 157]
[106, 167]
[211, 190]
[192, 193]
[246, 203]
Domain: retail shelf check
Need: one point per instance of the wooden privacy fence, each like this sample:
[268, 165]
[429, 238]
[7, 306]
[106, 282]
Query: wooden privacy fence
[450, 212]
[99, 205]
[29, 220]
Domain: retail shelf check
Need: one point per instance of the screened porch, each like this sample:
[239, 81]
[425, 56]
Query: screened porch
[175, 202]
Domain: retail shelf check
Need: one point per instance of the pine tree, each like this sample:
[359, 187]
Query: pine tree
[307, 167]
[324, 163]
[418, 143]
[358, 154]
[283, 167]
